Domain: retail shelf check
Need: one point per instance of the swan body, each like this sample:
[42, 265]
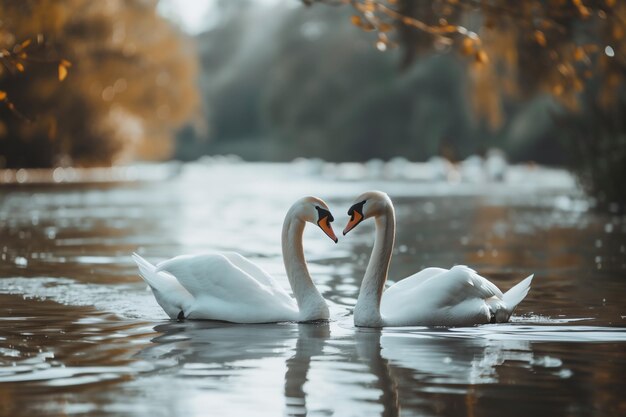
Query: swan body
[454, 297]
[226, 286]
[431, 297]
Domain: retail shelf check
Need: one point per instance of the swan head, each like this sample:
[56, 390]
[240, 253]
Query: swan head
[369, 204]
[315, 210]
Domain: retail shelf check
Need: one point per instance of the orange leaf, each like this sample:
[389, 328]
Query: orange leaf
[482, 57]
[384, 27]
[3, 95]
[557, 90]
[578, 85]
[368, 7]
[584, 12]
[467, 47]
[579, 54]
[448, 29]
[25, 43]
[356, 20]
[546, 24]
[19, 66]
[540, 38]
[62, 71]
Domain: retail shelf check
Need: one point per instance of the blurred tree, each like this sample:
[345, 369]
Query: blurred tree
[571, 50]
[304, 84]
[521, 48]
[236, 59]
[128, 82]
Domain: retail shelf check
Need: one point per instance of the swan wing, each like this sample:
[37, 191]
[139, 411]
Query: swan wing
[448, 298]
[486, 287]
[414, 280]
[168, 292]
[457, 285]
[256, 272]
[223, 291]
[211, 274]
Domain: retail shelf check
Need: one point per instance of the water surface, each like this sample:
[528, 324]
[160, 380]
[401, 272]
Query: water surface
[81, 335]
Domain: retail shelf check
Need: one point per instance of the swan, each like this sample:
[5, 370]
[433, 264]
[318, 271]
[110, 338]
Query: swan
[226, 286]
[431, 297]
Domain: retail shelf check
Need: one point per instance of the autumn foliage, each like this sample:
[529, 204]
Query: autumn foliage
[513, 48]
[571, 50]
[90, 83]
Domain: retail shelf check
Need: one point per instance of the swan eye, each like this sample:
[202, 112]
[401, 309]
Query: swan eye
[358, 208]
[322, 214]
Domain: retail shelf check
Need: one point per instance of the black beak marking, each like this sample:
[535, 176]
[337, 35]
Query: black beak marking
[322, 214]
[358, 208]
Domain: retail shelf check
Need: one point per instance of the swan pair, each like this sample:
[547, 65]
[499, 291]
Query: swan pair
[226, 286]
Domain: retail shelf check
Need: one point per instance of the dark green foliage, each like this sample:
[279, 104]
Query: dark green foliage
[597, 147]
[307, 84]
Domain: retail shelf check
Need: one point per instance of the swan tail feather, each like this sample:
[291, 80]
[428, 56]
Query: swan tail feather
[168, 292]
[515, 295]
[146, 271]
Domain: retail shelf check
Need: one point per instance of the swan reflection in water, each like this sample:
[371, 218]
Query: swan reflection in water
[440, 360]
[245, 366]
[322, 368]
[414, 368]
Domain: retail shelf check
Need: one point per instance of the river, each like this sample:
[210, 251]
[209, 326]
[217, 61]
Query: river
[80, 334]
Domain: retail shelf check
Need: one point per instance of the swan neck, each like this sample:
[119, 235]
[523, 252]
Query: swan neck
[367, 309]
[310, 302]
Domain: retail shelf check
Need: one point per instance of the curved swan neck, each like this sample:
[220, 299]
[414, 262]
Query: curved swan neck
[367, 309]
[310, 302]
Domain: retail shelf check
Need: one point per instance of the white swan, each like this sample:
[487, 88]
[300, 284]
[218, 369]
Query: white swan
[226, 286]
[431, 297]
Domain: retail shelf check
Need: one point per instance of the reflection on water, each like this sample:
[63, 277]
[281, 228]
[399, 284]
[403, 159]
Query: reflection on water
[81, 335]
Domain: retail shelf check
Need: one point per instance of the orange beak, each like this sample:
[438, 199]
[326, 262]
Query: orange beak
[327, 228]
[356, 219]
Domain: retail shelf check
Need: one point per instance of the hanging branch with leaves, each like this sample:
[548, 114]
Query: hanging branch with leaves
[554, 46]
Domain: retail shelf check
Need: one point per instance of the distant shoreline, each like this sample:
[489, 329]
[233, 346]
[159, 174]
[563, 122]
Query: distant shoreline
[100, 175]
